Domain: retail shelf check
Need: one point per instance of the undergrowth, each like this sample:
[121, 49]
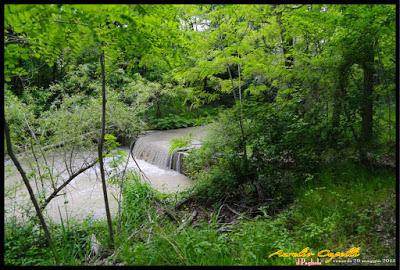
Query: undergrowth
[180, 142]
[344, 206]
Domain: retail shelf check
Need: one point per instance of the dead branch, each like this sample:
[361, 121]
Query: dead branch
[122, 184]
[182, 202]
[37, 164]
[189, 221]
[43, 156]
[11, 39]
[137, 165]
[232, 210]
[70, 157]
[72, 177]
[167, 212]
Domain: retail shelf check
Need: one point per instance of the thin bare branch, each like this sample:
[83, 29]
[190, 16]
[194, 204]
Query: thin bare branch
[26, 182]
[72, 177]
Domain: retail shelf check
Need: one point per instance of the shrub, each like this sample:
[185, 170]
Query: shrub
[280, 147]
[80, 115]
[18, 114]
[180, 142]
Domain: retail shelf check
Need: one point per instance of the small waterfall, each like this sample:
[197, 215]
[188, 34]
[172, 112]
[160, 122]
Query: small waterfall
[154, 147]
[151, 152]
[176, 161]
[179, 162]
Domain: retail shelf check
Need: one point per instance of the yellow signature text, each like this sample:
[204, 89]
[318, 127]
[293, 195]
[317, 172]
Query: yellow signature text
[304, 253]
[352, 252]
[326, 253]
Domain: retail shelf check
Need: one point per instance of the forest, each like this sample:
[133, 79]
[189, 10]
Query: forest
[215, 134]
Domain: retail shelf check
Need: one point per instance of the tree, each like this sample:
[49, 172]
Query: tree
[27, 184]
[101, 143]
[363, 28]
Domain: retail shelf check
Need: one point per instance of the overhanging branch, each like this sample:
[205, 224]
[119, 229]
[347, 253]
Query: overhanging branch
[72, 177]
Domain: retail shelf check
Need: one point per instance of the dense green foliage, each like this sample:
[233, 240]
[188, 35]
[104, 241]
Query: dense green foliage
[299, 100]
[208, 54]
[346, 206]
[180, 142]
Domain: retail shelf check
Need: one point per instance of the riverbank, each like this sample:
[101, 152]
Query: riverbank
[83, 197]
[334, 214]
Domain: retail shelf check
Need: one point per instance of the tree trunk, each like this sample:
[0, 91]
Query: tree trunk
[100, 149]
[27, 184]
[244, 141]
[287, 42]
[367, 110]
[338, 99]
[337, 103]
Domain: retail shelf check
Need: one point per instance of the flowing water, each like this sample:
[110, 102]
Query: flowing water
[83, 197]
[154, 147]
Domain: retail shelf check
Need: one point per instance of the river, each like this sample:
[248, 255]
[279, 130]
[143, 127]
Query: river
[83, 197]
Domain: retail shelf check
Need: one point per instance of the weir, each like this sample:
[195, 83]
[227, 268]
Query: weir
[154, 147]
[83, 197]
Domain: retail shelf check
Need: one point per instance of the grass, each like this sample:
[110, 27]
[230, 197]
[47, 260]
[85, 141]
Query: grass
[180, 142]
[344, 206]
[25, 243]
